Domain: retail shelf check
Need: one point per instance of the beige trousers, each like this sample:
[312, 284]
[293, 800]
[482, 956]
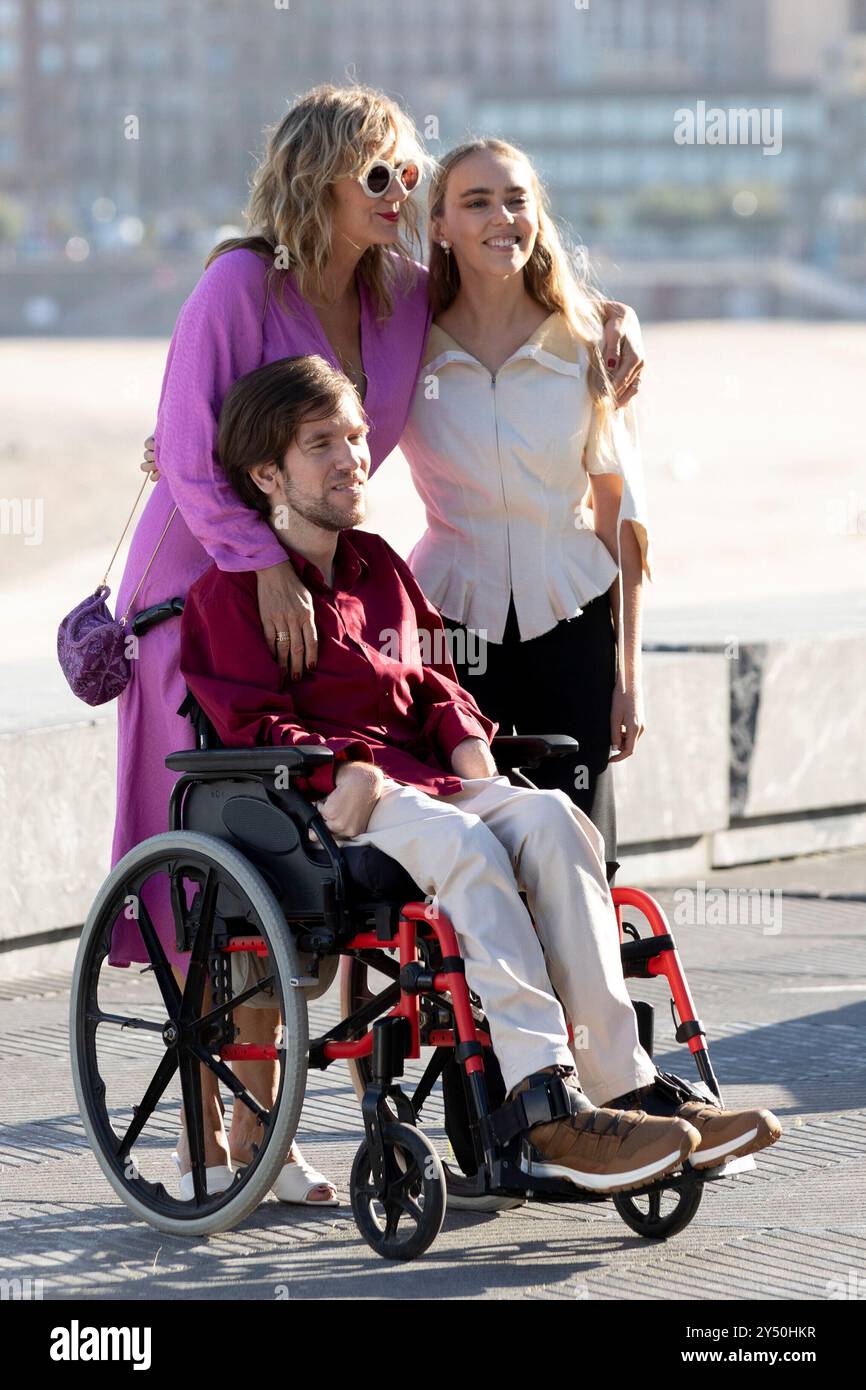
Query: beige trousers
[470, 853]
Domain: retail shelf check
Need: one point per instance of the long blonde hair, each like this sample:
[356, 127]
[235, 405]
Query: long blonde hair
[328, 133]
[557, 277]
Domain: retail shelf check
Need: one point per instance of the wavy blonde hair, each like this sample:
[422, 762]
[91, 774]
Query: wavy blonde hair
[558, 276]
[328, 133]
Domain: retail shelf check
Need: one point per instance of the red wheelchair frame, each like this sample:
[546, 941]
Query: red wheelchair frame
[648, 958]
[397, 1036]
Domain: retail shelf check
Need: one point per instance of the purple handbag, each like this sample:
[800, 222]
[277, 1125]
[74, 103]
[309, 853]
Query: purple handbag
[92, 645]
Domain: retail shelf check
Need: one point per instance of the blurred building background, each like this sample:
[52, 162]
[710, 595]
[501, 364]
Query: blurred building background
[101, 232]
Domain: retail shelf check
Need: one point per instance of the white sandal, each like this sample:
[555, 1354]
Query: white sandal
[217, 1179]
[296, 1180]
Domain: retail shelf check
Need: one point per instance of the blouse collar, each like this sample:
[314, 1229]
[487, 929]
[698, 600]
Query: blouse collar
[552, 345]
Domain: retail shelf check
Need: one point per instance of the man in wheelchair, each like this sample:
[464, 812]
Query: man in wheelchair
[413, 775]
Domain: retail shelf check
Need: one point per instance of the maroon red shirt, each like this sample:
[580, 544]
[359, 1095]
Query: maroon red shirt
[384, 689]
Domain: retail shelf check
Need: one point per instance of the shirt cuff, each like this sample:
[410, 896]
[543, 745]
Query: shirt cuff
[324, 780]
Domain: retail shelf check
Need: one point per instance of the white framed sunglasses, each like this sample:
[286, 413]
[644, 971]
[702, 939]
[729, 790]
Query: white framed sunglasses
[376, 178]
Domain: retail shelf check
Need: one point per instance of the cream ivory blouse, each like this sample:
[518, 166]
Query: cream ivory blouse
[501, 464]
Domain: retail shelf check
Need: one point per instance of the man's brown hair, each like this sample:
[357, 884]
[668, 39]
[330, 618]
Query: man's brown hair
[263, 411]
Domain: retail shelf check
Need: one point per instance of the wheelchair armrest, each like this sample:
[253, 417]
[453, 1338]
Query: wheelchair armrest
[528, 750]
[299, 760]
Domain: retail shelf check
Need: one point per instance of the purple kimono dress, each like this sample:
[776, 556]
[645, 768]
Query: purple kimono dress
[227, 327]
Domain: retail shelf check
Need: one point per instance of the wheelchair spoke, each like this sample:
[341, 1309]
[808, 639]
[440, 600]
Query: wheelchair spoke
[408, 1178]
[396, 1203]
[400, 1199]
[227, 1076]
[190, 1080]
[393, 1212]
[219, 1013]
[409, 1208]
[147, 1025]
[148, 1103]
[196, 978]
[168, 986]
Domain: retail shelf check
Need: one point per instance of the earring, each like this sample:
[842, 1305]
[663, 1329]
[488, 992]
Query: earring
[446, 247]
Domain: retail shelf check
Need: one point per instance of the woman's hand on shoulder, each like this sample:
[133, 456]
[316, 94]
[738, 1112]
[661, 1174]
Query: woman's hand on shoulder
[622, 349]
[288, 620]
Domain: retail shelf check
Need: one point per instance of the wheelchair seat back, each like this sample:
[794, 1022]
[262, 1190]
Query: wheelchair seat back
[270, 825]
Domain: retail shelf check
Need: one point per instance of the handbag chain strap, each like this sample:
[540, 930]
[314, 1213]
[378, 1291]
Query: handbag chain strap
[120, 542]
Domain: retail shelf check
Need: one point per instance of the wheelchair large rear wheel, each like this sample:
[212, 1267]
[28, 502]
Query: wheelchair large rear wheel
[140, 1042]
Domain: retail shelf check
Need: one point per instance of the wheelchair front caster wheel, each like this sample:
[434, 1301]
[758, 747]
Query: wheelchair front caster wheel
[406, 1218]
[662, 1212]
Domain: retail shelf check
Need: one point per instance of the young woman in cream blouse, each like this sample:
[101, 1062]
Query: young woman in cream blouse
[513, 416]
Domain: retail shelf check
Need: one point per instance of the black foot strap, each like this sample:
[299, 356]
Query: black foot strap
[546, 1098]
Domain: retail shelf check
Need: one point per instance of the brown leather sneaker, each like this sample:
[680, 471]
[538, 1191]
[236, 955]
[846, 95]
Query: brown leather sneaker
[724, 1133]
[606, 1150]
[728, 1133]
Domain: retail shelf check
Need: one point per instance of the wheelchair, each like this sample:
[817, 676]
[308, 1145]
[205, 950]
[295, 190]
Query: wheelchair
[249, 866]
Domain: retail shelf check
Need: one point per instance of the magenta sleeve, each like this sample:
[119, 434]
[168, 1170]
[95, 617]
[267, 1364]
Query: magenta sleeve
[216, 340]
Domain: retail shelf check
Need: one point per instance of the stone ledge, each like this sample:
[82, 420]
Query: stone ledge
[55, 846]
[787, 839]
[750, 738]
[676, 784]
[797, 712]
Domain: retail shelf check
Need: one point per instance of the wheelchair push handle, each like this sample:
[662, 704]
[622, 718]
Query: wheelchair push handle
[157, 613]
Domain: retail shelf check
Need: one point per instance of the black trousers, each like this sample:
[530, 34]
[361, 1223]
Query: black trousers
[559, 683]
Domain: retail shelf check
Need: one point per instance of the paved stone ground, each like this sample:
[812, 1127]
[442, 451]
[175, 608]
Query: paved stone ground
[786, 1016]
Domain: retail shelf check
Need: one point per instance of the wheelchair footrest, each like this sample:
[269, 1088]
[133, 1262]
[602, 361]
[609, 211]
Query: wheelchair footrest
[510, 1179]
[728, 1168]
[549, 1188]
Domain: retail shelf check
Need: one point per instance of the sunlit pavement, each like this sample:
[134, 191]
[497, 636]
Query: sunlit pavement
[784, 1005]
